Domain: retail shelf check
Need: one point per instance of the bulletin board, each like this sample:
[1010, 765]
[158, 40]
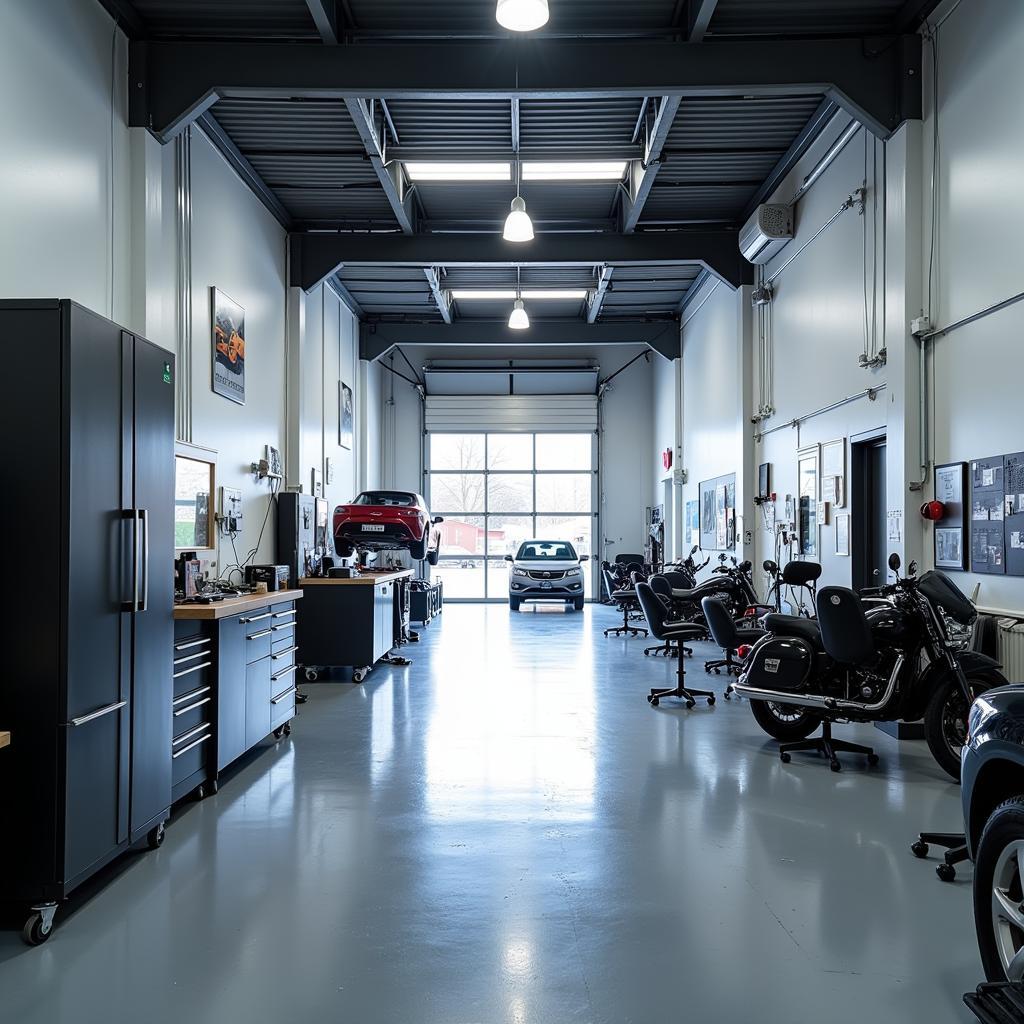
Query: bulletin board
[718, 513]
[988, 546]
[1013, 512]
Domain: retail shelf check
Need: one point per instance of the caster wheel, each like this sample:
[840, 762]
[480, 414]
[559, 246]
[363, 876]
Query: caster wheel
[155, 838]
[653, 701]
[835, 766]
[707, 671]
[288, 728]
[690, 704]
[872, 759]
[711, 702]
[200, 793]
[278, 732]
[36, 930]
[919, 849]
[312, 675]
[213, 786]
[647, 654]
[785, 758]
[728, 695]
[359, 675]
[946, 872]
[718, 672]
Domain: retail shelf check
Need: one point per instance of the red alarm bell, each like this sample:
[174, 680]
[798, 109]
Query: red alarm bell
[666, 458]
[933, 510]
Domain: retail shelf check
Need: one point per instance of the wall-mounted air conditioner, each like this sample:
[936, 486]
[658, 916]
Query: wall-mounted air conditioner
[769, 228]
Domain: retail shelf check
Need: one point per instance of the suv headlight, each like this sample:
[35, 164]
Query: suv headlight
[574, 572]
[519, 572]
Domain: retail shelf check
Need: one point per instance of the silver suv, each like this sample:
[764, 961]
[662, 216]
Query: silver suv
[546, 570]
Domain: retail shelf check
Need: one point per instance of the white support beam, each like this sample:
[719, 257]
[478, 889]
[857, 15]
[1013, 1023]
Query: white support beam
[441, 295]
[325, 16]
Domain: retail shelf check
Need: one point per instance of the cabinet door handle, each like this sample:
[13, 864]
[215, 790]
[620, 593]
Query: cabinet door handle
[283, 654]
[191, 696]
[284, 672]
[192, 707]
[189, 671]
[185, 750]
[98, 714]
[284, 625]
[260, 635]
[144, 521]
[281, 696]
[192, 732]
[281, 615]
[193, 643]
[190, 657]
[256, 618]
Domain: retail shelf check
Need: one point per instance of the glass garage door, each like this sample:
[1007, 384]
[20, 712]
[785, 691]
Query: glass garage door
[497, 490]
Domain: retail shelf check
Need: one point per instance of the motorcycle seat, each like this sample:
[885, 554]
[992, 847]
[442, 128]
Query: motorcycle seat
[794, 625]
[689, 594]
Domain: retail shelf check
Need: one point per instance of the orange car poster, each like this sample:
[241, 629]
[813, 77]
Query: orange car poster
[228, 347]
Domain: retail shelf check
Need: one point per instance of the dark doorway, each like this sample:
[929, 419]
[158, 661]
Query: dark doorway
[868, 537]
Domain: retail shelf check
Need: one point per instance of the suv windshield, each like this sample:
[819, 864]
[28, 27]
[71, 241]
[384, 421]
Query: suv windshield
[399, 499]
[545, 550]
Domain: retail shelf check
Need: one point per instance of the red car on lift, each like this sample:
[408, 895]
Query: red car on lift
[385, 520]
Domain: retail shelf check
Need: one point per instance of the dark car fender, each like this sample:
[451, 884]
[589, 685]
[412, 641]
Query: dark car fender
[971, 663]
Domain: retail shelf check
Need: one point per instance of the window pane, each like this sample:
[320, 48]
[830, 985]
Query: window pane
[564, 451]
[506, 533]
[564, 492]
[462, 536]
[456, 492]
[462, 577]
[497, 578]
[510, 451]
[577, 530]
[508, 492]
[457, 451]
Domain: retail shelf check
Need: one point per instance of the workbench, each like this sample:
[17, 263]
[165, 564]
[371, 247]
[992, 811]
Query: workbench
[234, 682]
[351, 623]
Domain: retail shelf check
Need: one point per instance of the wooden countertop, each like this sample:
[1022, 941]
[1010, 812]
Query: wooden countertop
[366, 579]
[234, 605]
[5, 739]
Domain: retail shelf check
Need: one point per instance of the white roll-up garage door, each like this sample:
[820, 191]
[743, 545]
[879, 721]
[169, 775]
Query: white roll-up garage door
[508, 414]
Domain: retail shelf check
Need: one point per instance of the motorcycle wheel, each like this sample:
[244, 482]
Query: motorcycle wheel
[785, 722]
[945, 719]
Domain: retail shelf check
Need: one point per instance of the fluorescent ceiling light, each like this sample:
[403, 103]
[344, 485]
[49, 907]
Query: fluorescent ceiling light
[575, 170]
[522, 15]
[520, 319]
[504, 294]
[424, 170]
[518, 226]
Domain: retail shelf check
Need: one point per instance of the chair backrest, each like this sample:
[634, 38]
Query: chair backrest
[845, 633]
[721, 624]
[801, 574]
[661, 586]
[677, 580]
[654, 610]
[625, 559]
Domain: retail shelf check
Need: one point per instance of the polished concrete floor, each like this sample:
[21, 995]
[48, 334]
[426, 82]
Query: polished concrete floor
[506, 833]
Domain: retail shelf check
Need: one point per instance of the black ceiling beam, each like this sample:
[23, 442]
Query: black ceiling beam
[317, 255]
[597, 298]
[325, 16]
[701, 13]
[877, 81]
[126, 16]
[641, 173]
[913, 13]
[442, 298]
[376, 340]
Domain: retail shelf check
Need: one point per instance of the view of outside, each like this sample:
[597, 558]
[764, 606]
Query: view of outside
[191, 503]
[496, 491]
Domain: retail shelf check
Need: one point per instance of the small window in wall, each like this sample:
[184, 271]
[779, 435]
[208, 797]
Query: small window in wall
[194, 488]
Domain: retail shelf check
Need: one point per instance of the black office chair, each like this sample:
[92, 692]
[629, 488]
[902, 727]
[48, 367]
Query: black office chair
[625, 599]
[729, 636]
[847, 639]
[955, 844]
[662, 586]
[672, 633]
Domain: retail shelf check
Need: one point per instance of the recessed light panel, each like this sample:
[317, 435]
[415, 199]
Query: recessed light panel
[423, 170]
[576, 170]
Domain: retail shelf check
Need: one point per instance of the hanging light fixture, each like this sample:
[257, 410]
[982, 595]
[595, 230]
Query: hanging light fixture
[518, 226]
[519, 319]
[522, 15]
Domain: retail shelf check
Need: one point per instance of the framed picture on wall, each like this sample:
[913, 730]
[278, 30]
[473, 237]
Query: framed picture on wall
[346, 417]
[228, 347]
[951, 489]
[842, 533]
[807, 499]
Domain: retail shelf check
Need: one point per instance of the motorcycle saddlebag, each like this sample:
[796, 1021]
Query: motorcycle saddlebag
[781, 663]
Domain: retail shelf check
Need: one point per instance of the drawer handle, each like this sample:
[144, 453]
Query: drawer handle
[98, 714]
[185, 750]
[192, 732]
[281, 615]
[283, 654]
[281, 696]
[192, 707]
[284, 672]
[256, 618]
[284, 625]
[260, 635]
[191, 657]
[191, 696]
[189, 671]
[192, 643]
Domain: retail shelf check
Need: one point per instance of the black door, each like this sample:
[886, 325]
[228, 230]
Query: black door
[152, 374]
[97, 712]
[869, 519]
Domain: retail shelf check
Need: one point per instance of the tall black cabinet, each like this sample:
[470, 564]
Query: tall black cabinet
[88, 418]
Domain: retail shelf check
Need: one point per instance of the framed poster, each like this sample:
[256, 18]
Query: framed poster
[807, 499]
[228, 347]
[950, 488]
[843, 533]
[346, 418]
[717, 501]
[833, 471]
[692, 522]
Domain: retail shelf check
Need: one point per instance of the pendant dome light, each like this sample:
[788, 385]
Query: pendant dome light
[518, 226]
[522, 15]
[519, 319]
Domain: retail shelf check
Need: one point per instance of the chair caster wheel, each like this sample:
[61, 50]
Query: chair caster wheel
[872, 759]
[728, 695]
[835, 766]
[653, 701]
[718, 672]
[287, 728]
[278, 732]
[946, 872]
[711, 702]
[155, 837]
[690, 705]
[785, 758]
[37, 930]
[919, 849]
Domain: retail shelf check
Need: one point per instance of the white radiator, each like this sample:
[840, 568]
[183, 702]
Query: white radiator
[1011, 648]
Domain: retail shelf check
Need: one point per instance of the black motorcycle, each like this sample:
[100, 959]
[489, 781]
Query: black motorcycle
[883, 655]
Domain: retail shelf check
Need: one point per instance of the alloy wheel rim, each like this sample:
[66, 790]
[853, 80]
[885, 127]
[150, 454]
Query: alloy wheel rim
[1008, 909]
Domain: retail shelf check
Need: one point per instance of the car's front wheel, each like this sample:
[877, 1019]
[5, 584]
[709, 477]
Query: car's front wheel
[514, 603]
[999, 892]
[578, 604]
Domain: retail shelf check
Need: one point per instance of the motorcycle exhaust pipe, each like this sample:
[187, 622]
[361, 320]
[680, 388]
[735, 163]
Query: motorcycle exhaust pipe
[812, 700]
